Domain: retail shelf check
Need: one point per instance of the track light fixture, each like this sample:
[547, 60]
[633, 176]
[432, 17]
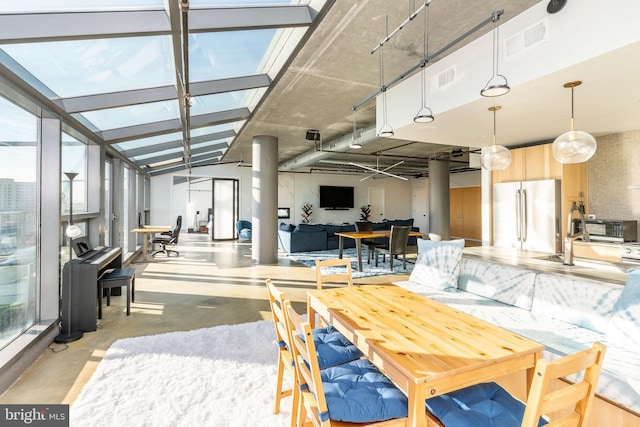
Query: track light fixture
[386, 130]
[575, 146]
[497, 84]
[424, 115]
[355, 136]
[495, 157]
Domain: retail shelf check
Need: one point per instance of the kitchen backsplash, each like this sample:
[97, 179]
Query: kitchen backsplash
[614, 167]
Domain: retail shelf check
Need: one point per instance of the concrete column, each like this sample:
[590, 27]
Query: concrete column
[439, 207]
[264, 205]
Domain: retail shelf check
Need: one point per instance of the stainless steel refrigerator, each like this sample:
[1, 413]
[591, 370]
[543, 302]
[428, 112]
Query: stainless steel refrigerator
[526, 215]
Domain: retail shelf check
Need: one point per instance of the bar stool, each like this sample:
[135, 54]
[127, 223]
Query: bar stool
[116, 278]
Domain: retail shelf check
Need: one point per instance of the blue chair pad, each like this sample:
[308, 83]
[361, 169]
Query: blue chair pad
[357, 392]
[333, 348]
[481, 405]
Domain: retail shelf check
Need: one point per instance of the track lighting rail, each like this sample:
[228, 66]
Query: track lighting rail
[491, 19]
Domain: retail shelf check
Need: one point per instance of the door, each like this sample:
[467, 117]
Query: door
[420, 209]
[226, 196]
[505, 215]
[376, 202]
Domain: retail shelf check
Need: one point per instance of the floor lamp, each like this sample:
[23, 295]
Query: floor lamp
[72, 232]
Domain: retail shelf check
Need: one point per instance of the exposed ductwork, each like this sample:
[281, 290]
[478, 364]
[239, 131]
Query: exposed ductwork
[341, 144]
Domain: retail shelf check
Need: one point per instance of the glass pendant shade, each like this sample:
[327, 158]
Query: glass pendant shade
[73, 231]
[495, 158]
[574, 146]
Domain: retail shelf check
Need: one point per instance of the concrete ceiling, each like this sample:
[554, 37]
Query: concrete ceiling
[335, 70]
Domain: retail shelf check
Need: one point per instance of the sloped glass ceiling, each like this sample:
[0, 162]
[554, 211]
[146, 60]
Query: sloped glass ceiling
[116, 70]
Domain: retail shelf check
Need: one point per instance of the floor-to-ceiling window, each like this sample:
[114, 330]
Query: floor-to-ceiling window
[107, 212]
[125, 210]
[18, 221]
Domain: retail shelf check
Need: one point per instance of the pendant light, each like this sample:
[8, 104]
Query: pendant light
[497, 84]
[355, 137]
[574, 146]
[386, 130]
[495, 157]
[425, 115]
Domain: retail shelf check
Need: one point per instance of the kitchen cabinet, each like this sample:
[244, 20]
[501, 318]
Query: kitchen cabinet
[465, 214]
[598, 251]
[530, 164]
[537, 163]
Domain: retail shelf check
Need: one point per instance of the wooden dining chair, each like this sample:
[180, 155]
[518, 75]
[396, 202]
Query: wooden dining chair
[397, 245]
[355, 393]
[565, 404]
[342, 277]
[332, 348]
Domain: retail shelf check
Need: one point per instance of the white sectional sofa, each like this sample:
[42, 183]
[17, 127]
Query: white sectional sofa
[563, 312]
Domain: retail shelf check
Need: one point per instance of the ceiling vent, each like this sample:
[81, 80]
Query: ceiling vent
[526, 39]
[443, 79]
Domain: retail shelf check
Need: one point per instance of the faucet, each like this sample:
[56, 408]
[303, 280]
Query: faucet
[568, 241]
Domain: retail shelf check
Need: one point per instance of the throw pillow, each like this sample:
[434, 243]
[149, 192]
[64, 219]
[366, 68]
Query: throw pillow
[624, 328]
[438, 263]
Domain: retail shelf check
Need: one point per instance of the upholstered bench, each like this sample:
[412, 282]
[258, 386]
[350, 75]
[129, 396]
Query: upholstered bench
[117, 277]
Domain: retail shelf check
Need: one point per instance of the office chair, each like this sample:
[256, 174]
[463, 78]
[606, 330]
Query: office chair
[166, 241]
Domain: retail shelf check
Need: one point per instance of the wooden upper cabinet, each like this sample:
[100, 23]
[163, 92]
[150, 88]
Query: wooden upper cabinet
[540, 164]
[529, 164]
[515, 171]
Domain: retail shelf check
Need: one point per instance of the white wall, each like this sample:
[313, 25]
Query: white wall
[295, 189]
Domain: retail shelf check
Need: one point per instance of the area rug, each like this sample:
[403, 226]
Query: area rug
[220, 376]
[309, 259]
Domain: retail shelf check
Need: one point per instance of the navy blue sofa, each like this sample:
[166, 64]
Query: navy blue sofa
[320, 237]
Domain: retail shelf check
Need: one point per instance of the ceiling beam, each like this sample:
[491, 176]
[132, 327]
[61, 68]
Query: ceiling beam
[244, 18]
[156, 148]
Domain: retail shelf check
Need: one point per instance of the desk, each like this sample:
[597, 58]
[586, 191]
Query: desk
[146, 230]
[424, 347]
[359, 235]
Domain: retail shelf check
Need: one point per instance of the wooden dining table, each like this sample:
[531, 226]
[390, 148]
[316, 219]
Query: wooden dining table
[426, 348]
[359, 235]
[146, 231]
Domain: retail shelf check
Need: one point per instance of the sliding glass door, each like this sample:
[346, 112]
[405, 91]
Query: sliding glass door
[226, 196]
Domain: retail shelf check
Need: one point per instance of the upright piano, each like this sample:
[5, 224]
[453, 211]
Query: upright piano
[80, 284]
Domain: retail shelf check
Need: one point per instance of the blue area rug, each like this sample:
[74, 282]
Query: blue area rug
[309, 259]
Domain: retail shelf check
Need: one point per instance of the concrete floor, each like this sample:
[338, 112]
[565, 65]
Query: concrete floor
[209, 284]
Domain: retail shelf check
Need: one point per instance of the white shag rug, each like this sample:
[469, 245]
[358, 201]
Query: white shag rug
[220, 376]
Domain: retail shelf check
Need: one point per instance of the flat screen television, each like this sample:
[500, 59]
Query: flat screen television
[336, 197]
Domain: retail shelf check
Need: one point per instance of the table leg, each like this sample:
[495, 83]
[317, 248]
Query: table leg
[417, 411]
[311, 314]
[340, 246]
[145, 238]
[359, 251]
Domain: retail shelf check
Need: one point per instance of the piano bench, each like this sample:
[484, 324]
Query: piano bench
[113, 278]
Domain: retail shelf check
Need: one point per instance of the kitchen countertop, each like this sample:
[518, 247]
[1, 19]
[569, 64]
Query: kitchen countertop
[612, 272]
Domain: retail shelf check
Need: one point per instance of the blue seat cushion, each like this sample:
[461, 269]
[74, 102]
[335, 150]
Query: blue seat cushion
[357, 392]
[333, 348]
[485, 405]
